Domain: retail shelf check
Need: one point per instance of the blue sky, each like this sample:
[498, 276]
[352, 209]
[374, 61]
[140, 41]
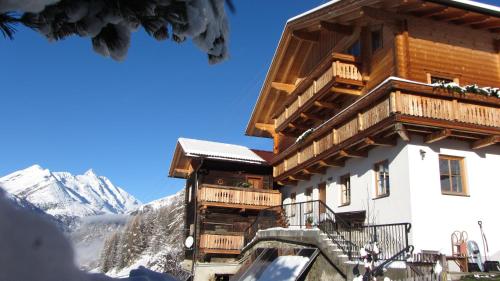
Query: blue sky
[68, 109]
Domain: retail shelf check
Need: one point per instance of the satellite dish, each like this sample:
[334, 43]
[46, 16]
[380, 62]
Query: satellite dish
[189, 242]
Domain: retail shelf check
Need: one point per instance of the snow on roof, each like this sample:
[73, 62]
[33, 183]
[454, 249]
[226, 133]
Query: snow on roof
[465, 3]
[218, 150]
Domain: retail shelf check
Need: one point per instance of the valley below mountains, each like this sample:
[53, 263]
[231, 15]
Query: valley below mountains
[111, 231]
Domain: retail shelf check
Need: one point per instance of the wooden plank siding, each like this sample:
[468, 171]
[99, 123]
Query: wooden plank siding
[443, 49]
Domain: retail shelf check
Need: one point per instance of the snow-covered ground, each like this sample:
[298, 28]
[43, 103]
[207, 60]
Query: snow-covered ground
[284, 268]
[62, 194]
[34, 249]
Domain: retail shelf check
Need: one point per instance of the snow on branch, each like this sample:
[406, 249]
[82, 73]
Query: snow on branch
[109, 23]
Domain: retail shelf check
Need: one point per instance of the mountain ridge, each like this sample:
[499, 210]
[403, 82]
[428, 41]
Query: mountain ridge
[62, 194]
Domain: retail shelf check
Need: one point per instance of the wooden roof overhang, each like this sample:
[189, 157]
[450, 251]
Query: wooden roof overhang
[181, 166]
[396, 124]
[301, 32]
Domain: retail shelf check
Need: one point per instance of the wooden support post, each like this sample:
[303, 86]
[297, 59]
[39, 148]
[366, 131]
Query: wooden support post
[437, 136]
[491, 140]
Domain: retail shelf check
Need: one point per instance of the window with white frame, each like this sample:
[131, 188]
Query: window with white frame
[345, 190]
[382, 186]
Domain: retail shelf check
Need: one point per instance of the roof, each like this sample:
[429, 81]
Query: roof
[188, 149]
[464, 4]
[218, 150]
[286, 65]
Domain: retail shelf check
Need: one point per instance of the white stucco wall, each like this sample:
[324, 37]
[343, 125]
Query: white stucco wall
[382, 210]
[415, 194]
[435, 216]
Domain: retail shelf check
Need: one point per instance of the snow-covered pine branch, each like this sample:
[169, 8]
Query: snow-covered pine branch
[109, 23]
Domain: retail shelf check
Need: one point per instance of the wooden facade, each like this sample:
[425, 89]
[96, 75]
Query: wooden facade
[223, 197]
[357, 74]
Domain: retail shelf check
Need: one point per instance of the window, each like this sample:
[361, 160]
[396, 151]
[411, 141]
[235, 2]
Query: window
[308, 195]
[377, 39]
[441, 78]
[293, 206]
[382, 178]
[451, 175]
[345, 190]
[255, 182]
[354, 49]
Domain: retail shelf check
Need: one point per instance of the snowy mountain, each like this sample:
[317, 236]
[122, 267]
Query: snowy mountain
[64, 195]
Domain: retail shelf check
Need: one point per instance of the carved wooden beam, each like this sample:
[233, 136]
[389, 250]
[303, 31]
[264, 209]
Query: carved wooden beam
[311, 116]
[337, 27]
[306, 36]
[315, 171]
[295, 126]
[430, 12]
[288, 182]
[450, 15]
[437, 136]
[327, 105]
[331, 163]
[300, 177]
[494, 23]
[400, 129]
[379, 142]
[380, 14]
[288, 88]
[182, 171]
[491, 140]
[408, 7]
[265, 127]
[351, 154]
[345, 91]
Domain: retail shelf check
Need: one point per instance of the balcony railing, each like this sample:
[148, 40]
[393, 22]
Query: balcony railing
[343, 69]
[427, 106]
[215, 243]
[238, 197]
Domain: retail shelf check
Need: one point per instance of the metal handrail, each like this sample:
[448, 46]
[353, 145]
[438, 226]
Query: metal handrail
[350, 239]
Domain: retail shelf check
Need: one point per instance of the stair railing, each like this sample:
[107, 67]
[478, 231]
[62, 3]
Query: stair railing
[349, 237]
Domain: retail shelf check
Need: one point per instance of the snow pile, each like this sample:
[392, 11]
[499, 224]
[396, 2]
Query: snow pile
[284, 268]
[63, 195]
[33, 249]
[474, 89]
[109, 23]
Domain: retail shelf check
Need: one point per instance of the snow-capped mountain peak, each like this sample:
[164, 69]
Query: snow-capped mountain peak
[64, 194]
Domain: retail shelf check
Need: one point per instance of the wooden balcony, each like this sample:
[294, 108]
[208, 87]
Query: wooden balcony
[396, 108]
[237, 197]
[221, 243]
[320, 91]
